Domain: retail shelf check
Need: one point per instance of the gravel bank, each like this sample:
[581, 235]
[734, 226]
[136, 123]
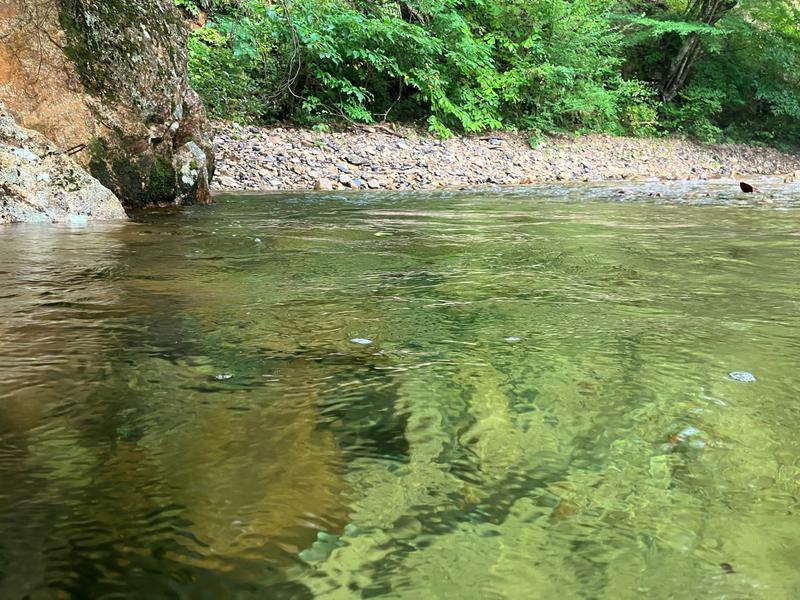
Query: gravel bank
[275, 158]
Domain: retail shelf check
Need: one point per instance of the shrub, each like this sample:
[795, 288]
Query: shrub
[475, 65]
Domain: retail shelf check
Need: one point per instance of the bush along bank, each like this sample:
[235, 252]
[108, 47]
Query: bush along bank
[713, 70]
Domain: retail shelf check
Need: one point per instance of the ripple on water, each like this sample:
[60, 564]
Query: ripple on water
[543, 399]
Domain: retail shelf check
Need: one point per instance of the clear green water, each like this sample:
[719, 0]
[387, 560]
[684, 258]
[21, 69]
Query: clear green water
[513, 430]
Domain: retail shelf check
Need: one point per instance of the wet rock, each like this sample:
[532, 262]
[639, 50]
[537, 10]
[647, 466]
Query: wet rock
[39, 183]
[110, 85]
[192, 168]
[742, 376]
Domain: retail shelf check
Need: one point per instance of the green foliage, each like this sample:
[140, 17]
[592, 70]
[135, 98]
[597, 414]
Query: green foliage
[640, 112]
[699, 106]
[644, 28]
[189, 6]
[476, 65]
[743, 84]
[227, 84]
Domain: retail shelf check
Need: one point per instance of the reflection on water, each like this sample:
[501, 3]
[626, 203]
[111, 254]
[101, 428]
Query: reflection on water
[539, 405]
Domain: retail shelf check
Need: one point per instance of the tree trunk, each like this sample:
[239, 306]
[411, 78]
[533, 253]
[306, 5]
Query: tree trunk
[704, 11]
[409, 14]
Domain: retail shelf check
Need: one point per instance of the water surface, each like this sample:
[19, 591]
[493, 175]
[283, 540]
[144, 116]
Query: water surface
[517, 394]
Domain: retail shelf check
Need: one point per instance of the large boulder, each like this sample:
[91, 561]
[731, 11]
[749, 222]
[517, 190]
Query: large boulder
[39, 183]
[106, 80]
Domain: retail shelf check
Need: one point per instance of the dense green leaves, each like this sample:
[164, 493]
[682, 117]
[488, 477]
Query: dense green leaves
[706, 68]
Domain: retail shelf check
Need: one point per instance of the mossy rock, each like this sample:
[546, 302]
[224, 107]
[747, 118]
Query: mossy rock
[131, 58]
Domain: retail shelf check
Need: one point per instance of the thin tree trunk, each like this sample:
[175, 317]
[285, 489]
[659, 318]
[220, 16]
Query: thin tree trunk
[705, 11]
[681, 67]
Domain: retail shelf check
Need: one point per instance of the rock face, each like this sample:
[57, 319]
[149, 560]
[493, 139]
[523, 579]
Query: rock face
[39, 183]
[107, 79]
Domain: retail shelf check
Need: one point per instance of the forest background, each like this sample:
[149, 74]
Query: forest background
[712, 70]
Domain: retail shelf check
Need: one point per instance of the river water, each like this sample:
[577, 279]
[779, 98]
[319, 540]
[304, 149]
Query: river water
[504, 394]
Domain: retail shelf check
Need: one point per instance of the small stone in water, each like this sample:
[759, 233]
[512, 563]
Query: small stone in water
[726, 568]
[742, 376]
[362, 341]
[223, 376]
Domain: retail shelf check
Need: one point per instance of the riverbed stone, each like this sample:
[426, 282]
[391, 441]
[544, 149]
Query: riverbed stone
[227, 182]
[323, 184]
[355, 159]
[423, 162]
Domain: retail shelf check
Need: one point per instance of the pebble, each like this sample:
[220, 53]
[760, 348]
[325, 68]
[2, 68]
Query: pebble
[227, 182]
[727, 568]
[299, 159]
[324, 185]
[742, 376]
[354, 159]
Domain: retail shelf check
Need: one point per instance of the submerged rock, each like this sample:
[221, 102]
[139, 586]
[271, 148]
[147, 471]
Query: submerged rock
[39, 183]
[742, 376]
[107, 81]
